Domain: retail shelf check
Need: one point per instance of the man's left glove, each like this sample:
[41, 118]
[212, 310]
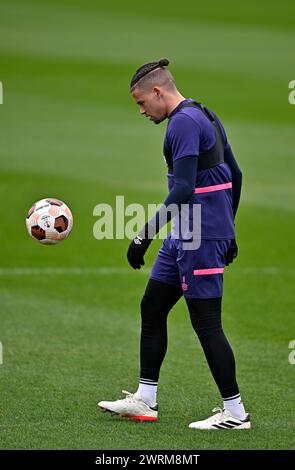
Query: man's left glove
[232, 252]
[136, 251]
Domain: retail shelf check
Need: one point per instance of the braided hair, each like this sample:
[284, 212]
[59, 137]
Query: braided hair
[146, 69]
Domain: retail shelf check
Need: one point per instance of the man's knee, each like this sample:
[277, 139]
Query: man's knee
[147, 306]
[158, 299]
[205, 316]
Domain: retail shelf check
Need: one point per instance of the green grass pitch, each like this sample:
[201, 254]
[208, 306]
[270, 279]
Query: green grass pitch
[70, 314]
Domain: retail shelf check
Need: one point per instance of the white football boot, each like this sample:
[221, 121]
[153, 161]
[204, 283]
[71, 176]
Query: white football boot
[222, 419]
[130, 407]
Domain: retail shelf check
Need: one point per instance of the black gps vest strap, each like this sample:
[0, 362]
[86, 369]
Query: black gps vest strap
[212, 157]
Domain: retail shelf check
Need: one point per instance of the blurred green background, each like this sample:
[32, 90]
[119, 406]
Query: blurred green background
[70, 317]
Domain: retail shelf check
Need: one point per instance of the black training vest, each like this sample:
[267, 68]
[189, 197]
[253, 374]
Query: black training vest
[209, 158]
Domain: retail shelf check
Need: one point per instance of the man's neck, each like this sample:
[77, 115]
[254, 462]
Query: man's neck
[174, 102]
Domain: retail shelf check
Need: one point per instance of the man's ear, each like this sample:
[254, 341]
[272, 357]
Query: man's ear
[157, 91]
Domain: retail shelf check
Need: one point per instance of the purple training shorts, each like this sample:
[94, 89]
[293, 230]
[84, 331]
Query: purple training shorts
[200, 272]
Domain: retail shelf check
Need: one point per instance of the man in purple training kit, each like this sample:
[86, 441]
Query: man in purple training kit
[201, 170]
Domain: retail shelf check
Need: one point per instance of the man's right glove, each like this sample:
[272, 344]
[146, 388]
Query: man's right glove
[232, 252]
[136, 251]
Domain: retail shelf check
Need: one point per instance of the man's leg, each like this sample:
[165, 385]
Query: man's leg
[202, 270]
[157, 301]
[162, 292]
[205, 316]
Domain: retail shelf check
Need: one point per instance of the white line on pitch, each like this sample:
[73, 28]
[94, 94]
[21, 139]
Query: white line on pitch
[61, 271]
[101, 271]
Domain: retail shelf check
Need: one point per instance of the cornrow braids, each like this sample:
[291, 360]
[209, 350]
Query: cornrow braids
[147, 68]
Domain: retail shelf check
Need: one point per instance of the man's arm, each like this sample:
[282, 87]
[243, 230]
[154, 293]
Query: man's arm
[184, 139]
[236, 190]
[184, 175]
[236, 176]
[235, 170]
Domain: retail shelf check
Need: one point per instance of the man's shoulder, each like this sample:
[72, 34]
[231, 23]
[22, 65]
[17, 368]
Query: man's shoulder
[200, 119]
[184, 118]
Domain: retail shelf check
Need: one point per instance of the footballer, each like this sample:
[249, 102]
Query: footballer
[201, 170]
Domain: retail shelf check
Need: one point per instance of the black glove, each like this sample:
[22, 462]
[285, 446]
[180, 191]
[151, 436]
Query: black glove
[232, 252]
[136, 251]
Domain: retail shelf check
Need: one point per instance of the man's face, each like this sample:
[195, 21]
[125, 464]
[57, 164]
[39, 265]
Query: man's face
[151, 104]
